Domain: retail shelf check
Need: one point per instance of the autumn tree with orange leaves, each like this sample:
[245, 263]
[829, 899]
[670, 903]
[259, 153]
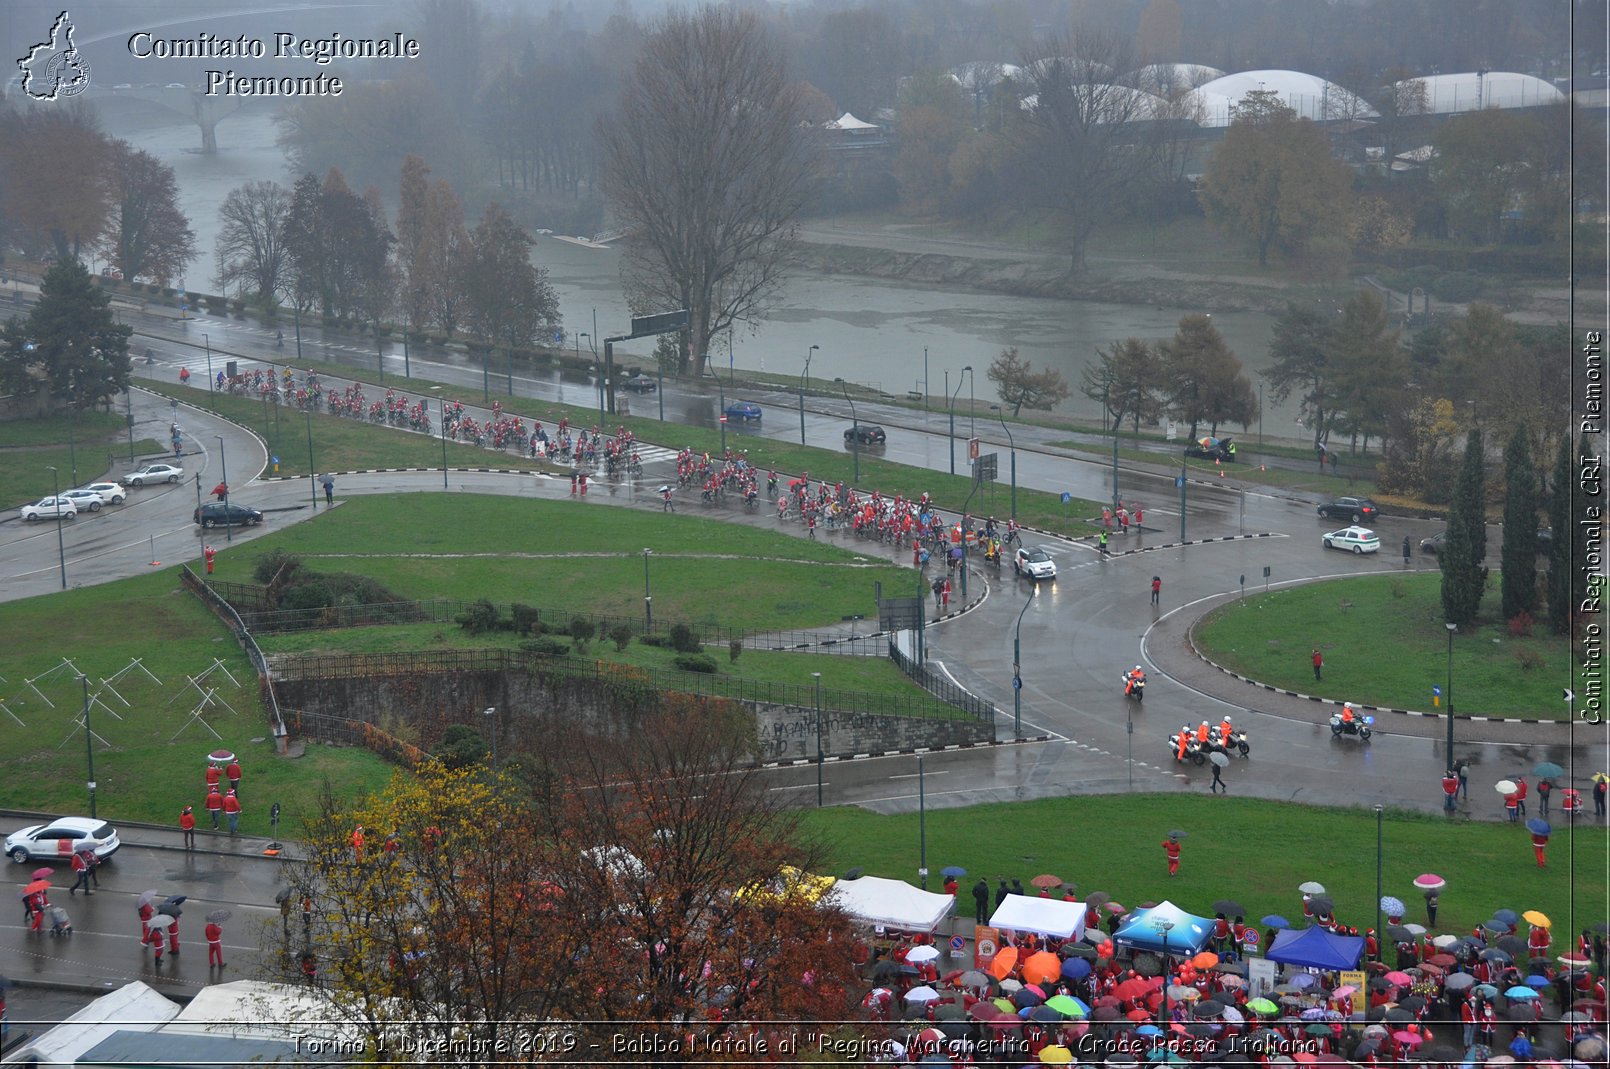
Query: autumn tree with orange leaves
[628, 880]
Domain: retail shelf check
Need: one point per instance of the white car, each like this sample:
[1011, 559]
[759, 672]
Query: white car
[111, 493]
[154, 473]
[1034, 562]
[1357, 539]
[85, 500]
[50, 508]
[61, 839]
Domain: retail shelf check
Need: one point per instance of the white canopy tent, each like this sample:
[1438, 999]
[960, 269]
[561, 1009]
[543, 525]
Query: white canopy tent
[891, 903]
[134, 1007]
[850, 122]
[1043, 916]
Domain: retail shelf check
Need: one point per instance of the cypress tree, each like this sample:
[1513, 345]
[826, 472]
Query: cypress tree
[1463, 576]
[1560, 551]
[1518, 559]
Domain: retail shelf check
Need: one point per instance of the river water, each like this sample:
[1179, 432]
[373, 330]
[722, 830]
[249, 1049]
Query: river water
[868, 330]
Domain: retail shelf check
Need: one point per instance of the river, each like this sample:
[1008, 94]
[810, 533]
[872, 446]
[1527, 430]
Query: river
[883, 333]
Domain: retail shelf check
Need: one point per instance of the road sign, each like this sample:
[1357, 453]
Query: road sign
[987, 467]
[1017, 683]
[659, 323]
[958, 942]
[1179, 482]
[1066, 497]
[972, 449]
[896, 614]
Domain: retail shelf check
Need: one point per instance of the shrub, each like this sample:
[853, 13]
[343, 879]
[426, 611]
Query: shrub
[621, 635]
[1458, 286]
[734, 648]
[684, 639]
[582, 631]
[526, 620]
[276, 565]
[657, 641]
[461, 746]
[479, 617]
[1399, 590]
[1520, 626]
[1529, 659]
[550, 647]
[695, 662]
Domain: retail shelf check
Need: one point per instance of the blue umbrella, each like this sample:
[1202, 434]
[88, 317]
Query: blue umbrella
[1537, 826]
[1520, 991]
[1508, 916]
[1547, 770]
[1076, 968]
[1148, 1030]
[1537, 981]
[1392, 907]
[1275, 920]
[953, 870]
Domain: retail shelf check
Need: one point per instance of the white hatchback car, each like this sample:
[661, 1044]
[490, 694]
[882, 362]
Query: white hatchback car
[50, 508]
[1357, 539]
[1034, 562]
[84, 500]
[111, 493]
[61, 838]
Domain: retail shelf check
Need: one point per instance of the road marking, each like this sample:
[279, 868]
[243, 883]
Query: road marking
[915, 775]
[797, 786]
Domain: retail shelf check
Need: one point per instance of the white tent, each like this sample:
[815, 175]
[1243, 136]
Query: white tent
[891, 903]
[1043, 916]
[134, 1007]
[850, 122]
[1449, 94]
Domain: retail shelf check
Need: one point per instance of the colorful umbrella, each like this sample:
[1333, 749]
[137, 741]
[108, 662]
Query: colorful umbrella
[1055, 1054]
[1505, 786]
[1076, 968]
[1042, 967]
[1430, 881]
[36, 886]
[1262, 1005]
[1532, 916]
[1409, 1039]
[1003, 963]
[1067, 1005]
[1393, 907]
[1177, 834]
[1539, 826]
[1205, 960]
[1520, 991]
[44, 873]
[1275, 920]
[1508, 916]
[953, 870]
[1047, 881]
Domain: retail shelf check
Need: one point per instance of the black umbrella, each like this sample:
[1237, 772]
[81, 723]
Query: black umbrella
[1176, 834]
[1512, 945]
[1520, 1011]
[954, 1028]
[854, 874]
[171, 904]
[283, 895]
[887, 969]
[1399, 934]
[1494, 954]
[1077, 950]
[1201, 1028]
[1207, 1008]
[1444, 1053]
[1413, 1003]
[1229, 907]
[950, 1011]
[1398, 1013]
[1321, 904]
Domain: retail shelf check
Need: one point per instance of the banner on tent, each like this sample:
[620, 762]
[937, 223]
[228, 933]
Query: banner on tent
[1355, 977]
[1260, 977]
[986, 941]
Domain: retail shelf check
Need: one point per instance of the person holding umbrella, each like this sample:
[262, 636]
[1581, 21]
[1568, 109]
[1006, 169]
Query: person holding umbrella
[1218, 760]
[215, 937]
[1512, 800]
[81, 870]
[146, 911]
[1540, 838]
[36, 899]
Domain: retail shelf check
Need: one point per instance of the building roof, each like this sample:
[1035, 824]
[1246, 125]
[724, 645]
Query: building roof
[1169, 79]
[850, 122]
[1448, 94]
[1309, 95]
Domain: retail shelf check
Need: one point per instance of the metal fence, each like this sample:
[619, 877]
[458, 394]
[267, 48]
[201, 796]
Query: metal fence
[220, 606]
[939, 686]
[950, 704]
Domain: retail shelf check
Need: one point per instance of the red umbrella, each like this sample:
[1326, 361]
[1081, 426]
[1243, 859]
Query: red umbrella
[44, 872]
[36, 887]
[1046, 880]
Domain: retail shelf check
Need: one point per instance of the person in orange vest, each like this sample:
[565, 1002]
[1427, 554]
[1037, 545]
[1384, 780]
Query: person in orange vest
[1184, 741]
[210, 554]
[215, 944]
[214, 804]
[187, 825]
[1203, 733]
[1225, 732]
[1171, 847]
[232, 811]
[232, 773]
[1347, 712]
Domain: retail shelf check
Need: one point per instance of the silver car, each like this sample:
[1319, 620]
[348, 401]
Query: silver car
[1034, 562]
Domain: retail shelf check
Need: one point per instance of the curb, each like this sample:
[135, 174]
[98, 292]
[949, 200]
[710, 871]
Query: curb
[1190, 641]
[903, 752]
[437, 468]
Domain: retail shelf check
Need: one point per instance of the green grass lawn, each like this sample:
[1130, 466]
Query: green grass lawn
[1246, 470]
[1256, 852]
[1352, 621]
[94, 443]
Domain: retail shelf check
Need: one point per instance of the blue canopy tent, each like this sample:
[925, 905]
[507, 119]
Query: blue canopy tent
[1316, 948]
[1187, 933]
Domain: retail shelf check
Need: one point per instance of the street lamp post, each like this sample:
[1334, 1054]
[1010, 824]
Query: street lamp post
[1378, 929]
[972, 405]
[296, 316]
[441, 413]
[1163, 926]
[817, 677]
[1453, 629]
[491, 714]
[969, 367]
[802, 379]
[721, 393]
[312, 473]
[966, 504]
[1017, 667]
[648, 599]
[89, 751]
[1000, 411]
[212, 384]
[855, 430]
[223, 463]
[61, 546]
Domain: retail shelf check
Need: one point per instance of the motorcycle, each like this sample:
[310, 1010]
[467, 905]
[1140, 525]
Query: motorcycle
[1355, 728]
[1193, 750]
[1237, 745]
[1134, 689]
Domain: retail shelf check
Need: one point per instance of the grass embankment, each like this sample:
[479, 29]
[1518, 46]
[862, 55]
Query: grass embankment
[1246, 470]
[94, 443]
[1253, 851]
[1385, 644]
[340, 449]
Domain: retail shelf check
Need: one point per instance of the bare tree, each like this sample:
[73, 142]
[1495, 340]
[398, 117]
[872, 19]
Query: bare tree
[251, 246]
[1083, 138]
[509, 297]
[707, 165]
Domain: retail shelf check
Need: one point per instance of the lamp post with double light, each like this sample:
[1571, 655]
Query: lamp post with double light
[648, 599]
[967, 368]
[61, 546]
[1011, 442]
[802, 379]
[1017, 666]
[223, 464]
[855, 430]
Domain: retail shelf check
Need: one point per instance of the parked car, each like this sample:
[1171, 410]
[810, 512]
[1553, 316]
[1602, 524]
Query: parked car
[50, 508]
[153, 473]
[640, 384]
[84, 500]
[61, 838]
[218, 514]
[111, 493]
[743, 411]
[1433, 545]
[1357, 539]
[1034, 562]
[1353, 509]
[1545, 541]
[865, 433]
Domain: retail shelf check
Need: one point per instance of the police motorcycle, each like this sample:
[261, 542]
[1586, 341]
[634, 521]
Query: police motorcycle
[1236, 744]
[1194, 752]
[1358, 727]
[1134, 685]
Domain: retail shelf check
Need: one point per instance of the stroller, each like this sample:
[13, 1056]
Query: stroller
[60, 922]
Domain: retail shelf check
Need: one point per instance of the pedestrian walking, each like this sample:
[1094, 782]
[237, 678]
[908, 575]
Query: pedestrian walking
[1218, 781]
[1520, 793]
[1601, 785]
[1539, 841]
[329, 489]
[215, 944]
[146, 911]
[187, 826]
[213, 775]
[1432, 898]
[1123, 520]
[214, 804]
[1106, 518]
[1101, 541]
[232, 773]
[1319, 662]
[1450, 790]
[310, 967]
[1171, 849]
[1157, 588]
[173, 935]
[81, 871]
[665, 499]
[357, 844]
[1544, 788]
[153, 939]
[232, 811]
[1512, 807]
[1462, 770]
[981, 901]
[944, 596]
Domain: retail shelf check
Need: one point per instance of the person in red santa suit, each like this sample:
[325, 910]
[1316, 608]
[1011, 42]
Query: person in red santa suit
[1538, 940]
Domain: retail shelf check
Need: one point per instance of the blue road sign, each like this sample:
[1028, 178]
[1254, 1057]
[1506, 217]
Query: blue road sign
[1066, 497]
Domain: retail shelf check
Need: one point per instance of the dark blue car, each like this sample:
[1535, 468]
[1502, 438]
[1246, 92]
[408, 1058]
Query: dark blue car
[743, 411]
